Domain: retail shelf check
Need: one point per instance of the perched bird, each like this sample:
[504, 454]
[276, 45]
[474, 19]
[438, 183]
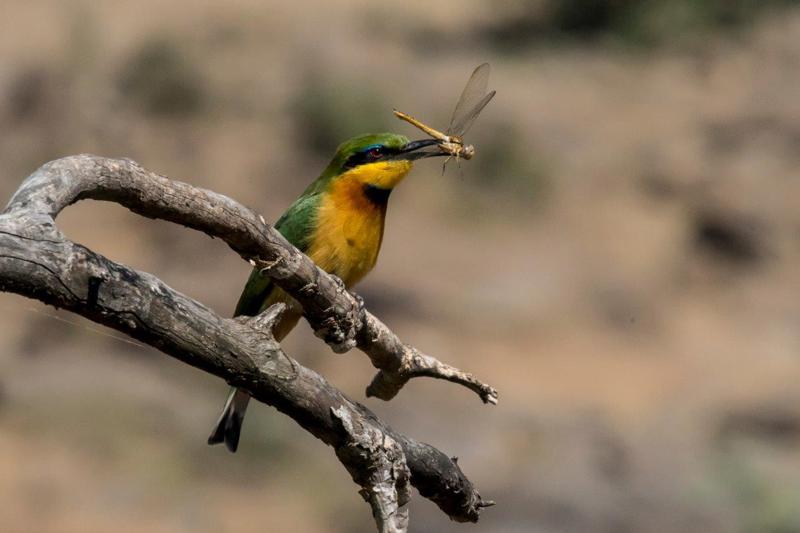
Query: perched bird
[338, 222]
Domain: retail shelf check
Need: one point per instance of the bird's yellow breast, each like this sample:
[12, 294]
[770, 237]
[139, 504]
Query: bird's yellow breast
[349, 227]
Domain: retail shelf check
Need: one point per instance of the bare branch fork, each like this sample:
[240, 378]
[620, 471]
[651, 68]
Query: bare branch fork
[37, 261]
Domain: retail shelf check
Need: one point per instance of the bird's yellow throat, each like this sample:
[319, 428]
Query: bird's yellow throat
[350, 225]
[383, 174]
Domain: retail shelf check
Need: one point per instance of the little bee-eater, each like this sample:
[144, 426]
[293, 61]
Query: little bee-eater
[338, 222]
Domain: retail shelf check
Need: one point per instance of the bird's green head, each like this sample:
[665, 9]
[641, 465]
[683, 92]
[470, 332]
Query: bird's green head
[378, 159]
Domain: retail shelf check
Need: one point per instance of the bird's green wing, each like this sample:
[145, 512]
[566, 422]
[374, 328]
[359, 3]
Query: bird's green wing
[297, 225]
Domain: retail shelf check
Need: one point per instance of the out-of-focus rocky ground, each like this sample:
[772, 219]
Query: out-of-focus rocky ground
[620, 259]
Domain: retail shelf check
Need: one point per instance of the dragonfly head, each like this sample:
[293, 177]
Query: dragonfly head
[467, 151]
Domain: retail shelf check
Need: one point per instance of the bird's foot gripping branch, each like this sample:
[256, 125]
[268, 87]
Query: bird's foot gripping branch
[38, 261]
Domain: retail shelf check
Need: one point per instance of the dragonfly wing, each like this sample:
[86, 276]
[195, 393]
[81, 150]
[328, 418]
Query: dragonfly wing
[473, 92]
[465, 122]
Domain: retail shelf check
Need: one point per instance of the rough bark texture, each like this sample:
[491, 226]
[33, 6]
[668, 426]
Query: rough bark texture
[37, 261]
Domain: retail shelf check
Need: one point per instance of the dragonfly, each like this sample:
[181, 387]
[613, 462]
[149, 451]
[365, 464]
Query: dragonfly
[473, 99]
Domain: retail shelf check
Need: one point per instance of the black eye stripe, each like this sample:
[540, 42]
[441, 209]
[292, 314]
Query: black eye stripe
[370, 155]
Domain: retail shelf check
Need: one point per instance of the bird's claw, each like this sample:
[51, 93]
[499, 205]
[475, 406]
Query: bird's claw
[340, 286]
[340, 339]
[341, 335]
[361, 307]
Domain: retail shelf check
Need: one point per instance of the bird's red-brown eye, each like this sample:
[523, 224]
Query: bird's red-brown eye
[375, 153]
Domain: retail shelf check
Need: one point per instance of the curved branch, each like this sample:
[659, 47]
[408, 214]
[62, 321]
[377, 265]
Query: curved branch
[37, 261]
[336, 315]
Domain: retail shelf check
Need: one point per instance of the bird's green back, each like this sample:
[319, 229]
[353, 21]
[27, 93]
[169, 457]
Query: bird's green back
[297, 225]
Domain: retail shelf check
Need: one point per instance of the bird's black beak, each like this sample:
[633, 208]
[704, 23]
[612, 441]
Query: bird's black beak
[421, 149]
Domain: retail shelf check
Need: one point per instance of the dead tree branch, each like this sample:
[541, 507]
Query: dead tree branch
[37, 261]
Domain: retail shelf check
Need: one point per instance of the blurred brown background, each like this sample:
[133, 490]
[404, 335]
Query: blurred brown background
[620, 259]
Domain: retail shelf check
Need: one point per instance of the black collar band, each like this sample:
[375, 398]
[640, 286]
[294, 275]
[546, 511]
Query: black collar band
[377, 195]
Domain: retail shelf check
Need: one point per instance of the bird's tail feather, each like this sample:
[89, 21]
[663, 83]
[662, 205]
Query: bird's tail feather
[229, 425]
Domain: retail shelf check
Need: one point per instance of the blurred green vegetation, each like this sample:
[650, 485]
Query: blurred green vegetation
[327, 111]
[752, 445]
[634, 22]
[508, 166]
[765, 505]
[161, 79]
